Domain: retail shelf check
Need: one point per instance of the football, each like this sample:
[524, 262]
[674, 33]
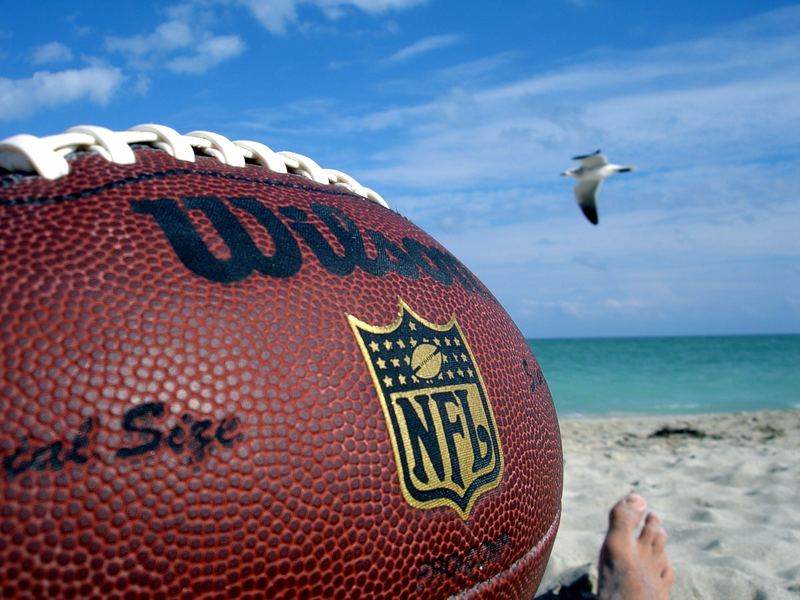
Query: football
[228, 372]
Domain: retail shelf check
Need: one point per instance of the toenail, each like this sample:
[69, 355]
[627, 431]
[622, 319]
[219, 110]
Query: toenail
[635, 501]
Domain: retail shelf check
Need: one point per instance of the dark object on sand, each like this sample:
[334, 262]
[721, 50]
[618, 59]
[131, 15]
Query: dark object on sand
[580, 589]
[667, 432]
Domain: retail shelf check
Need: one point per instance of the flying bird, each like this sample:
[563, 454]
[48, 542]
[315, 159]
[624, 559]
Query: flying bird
[594, 168]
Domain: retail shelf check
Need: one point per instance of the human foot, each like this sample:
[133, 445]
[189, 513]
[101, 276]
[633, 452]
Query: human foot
[634, 568]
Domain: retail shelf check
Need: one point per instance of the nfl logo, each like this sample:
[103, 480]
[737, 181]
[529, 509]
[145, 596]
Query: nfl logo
[438, 413]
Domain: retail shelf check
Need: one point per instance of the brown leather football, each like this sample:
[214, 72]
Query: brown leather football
[227, 372]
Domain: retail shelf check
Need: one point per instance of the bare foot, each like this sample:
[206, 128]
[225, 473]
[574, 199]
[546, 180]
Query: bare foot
[634, 568]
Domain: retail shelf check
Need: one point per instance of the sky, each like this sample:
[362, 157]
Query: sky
[462, 115]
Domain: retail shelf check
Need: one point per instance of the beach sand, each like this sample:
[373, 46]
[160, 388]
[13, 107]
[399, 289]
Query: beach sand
[727, 487]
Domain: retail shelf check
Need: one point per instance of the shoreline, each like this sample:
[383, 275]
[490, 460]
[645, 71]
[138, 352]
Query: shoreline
[727, 486]
[648, 417]
[668, 415]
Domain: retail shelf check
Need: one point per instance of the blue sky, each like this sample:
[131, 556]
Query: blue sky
[463, 114]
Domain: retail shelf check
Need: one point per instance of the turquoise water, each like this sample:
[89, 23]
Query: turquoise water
[671, 374]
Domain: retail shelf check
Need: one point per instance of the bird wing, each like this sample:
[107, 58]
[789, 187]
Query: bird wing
[582, 156]
[586, 195]
[593, 161]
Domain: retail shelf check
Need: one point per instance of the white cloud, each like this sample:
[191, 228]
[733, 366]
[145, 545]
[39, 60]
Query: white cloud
[474, 70]
[725, 97]
[45, 89]
[183, 44]
[277, 15]
[700, 235]
[716, 238]
[141, 85]
[209, 54]
[53, 52]
[423, 46]
[373, 6]
[167, 37]
[274, 15]
[627, 304]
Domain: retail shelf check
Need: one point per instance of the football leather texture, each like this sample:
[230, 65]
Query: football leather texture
[223, 381]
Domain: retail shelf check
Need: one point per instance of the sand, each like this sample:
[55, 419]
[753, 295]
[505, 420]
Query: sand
[727, 487]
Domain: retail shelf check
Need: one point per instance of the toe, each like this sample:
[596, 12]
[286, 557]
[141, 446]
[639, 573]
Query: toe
[626, 514]
[660, 541]
[651, 530]
[668, 575]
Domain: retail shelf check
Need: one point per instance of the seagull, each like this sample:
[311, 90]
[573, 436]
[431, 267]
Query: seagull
[594, 168]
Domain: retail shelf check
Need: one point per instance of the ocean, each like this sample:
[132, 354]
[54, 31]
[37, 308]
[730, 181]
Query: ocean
[671, 375]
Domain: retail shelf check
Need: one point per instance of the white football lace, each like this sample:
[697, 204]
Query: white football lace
[47, 155]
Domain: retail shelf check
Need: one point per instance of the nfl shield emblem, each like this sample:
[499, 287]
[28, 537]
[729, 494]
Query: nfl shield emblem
[437, 411]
